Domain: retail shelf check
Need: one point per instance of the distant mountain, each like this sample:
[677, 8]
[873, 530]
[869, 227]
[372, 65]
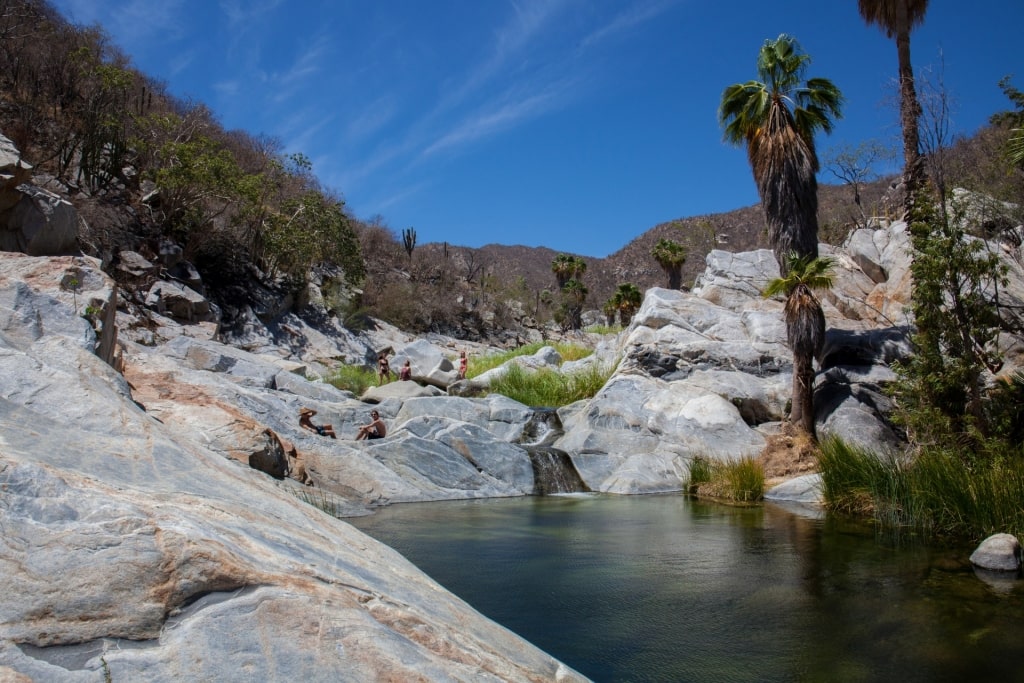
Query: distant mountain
[738, 230]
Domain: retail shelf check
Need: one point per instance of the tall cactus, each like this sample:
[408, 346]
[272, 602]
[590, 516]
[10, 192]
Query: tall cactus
[409, 241]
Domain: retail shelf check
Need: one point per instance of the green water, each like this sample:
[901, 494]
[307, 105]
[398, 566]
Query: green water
[663, 588]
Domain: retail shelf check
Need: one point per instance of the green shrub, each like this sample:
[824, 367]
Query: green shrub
[354, 378]
[549, 388]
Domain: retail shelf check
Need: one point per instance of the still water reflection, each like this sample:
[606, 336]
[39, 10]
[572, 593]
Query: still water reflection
[664, 588]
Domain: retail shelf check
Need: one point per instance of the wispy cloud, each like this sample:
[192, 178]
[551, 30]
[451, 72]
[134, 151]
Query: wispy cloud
[133, 23]
[511, 39]
[372, 118]
[305, 66]
[626, 21]
[497, 117]
[243, 14]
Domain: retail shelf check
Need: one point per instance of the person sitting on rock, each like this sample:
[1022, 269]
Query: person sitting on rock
[374, 430]
[305, 421]
[405, 373]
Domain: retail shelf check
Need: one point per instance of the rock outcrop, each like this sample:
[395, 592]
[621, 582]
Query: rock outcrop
[133, 549]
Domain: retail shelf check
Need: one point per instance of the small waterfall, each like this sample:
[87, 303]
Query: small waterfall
[553, 472]
[543, 429]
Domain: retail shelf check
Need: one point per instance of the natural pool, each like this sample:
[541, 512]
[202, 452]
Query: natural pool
[665, 588]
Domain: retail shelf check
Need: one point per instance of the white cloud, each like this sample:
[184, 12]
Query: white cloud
[499, 117]
[625, 21]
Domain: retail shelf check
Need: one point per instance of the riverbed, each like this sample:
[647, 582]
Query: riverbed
[667, 588]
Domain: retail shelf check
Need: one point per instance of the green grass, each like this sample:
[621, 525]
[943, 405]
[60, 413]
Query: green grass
[549, 388]
[321, 500]
[939, 494]
[701, 472]
[604, 329]
[481, 364]
[354, 378]
[739, 480]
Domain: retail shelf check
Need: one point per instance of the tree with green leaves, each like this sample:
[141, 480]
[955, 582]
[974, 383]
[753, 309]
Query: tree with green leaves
[610, 310]
[566, 267]
[574, 295]
[955, 285]
[776, 118]
[671, 256]
[310, 229]
[627, 298]
[1015, 145]
[805, 327]
[897, 18]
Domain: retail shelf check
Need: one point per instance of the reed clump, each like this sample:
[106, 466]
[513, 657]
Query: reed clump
[939, 492]
[740, 480]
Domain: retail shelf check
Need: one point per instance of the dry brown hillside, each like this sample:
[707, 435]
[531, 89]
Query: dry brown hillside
[529, 268]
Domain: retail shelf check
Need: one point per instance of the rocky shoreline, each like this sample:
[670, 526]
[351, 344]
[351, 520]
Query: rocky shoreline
[152, 476]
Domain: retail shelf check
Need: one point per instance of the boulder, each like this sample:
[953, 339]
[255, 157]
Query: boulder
[13, 172]
[428, 362]
[805, 490]
[399, 390]
[499, 415]
[999, 552]
[180, 302]
[40, 224]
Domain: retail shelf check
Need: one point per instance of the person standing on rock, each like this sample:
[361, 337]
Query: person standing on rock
[305, 421]
[463, 364]
[374, 430]
[383, 369]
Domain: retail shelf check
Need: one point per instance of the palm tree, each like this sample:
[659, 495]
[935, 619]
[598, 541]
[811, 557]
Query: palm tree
[897, 18]
[567, 268]
[805, 327]
[574, 295]
[776, 118]
[611, 310]
[670, 256]
[628, 299]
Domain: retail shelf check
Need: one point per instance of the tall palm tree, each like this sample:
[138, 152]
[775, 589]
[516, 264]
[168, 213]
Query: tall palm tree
[567, 268]
[628, 297]
[897, 18]
[776, 117]
[670, 256]
[574, 294]
[805, 327]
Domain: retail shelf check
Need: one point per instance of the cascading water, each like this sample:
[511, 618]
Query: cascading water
[553, 469]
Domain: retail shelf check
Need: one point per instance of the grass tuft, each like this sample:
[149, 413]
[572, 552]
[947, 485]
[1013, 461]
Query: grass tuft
[739, 480]
[321, 500]
[939, 494]
[481, 364]
[354, 378]
[549, 388]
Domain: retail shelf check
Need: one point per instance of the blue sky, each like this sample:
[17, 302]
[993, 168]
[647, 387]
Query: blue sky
[570, 124]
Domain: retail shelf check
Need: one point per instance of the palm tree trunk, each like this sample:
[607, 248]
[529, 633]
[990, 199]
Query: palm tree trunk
[910, 116]
[802, 411]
